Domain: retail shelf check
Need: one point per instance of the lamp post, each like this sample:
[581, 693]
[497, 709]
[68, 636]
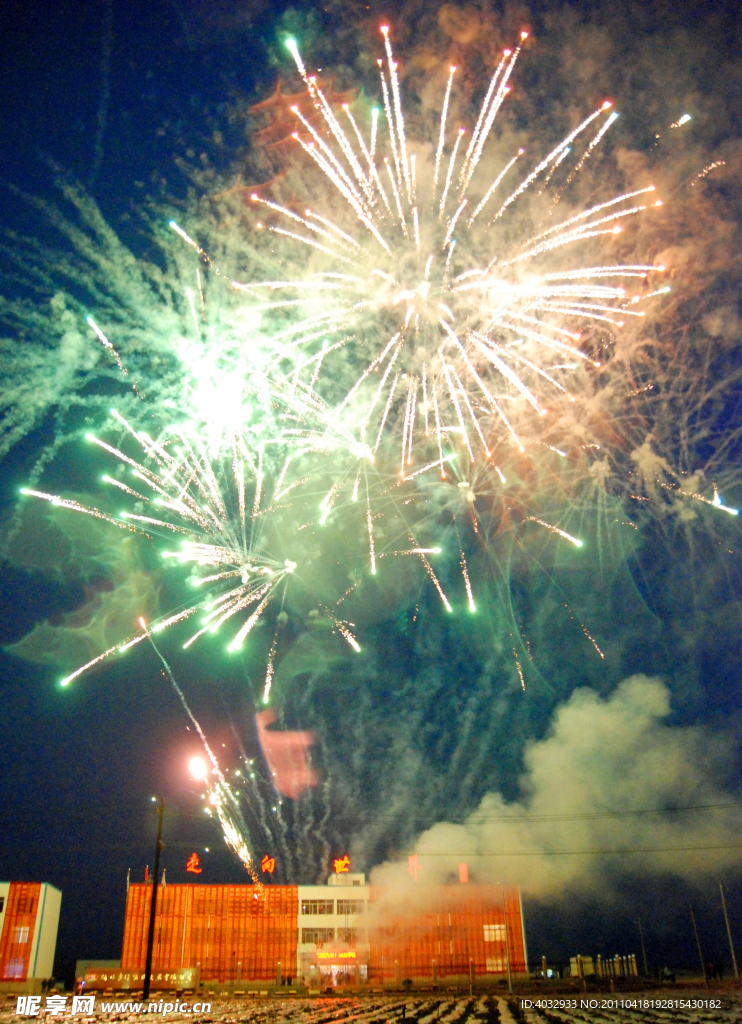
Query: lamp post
[729, 931]
[698, 944]
[644, 952]
[159, 847]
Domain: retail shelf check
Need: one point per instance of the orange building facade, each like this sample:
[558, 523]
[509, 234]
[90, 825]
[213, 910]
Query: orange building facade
[346, 932]
[229, 931]
[29, 917]
[462, 928]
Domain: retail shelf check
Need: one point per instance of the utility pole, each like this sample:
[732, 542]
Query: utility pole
[729, 931]
[159, 847]
[644, 952]
[698, 943]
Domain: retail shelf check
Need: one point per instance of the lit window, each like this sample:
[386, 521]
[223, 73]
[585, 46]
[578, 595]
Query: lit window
[317, 935]
[14, 968]
[318, 906]
[494, 933]
[351, 907]
[495, 965]
[20, 935]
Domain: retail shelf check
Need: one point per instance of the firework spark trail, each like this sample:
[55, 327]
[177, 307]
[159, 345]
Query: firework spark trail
[715, 502]
[60, 502]
[467, 581]
[555, 529]
[221, 797]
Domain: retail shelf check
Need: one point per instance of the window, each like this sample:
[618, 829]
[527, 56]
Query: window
[494, 933]
[351, 906]
[317, 935]
[495, 964]
[2, 903]
[14, 968]
[350, 935]
[20, 935]
[318, 906]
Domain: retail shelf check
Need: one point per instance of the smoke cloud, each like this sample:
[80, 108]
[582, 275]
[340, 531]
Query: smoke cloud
[112, 582]
[612, 790]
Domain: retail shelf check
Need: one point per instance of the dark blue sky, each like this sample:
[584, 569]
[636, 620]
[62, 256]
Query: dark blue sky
[112, 92]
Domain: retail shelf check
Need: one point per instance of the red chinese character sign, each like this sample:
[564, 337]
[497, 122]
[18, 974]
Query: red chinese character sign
[268, 865]
[341, 864]
[412, 866]
[192, 864]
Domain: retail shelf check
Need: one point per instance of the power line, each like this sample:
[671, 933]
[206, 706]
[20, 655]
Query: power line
[586, 853]
[511, 819]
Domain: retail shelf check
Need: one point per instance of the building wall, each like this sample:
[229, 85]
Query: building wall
[45, 936]
[458, 925]
[225, 929]
[28, 930]
[4, 893]
[233, 933]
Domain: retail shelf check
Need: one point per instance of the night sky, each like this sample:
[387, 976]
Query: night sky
[113, 93]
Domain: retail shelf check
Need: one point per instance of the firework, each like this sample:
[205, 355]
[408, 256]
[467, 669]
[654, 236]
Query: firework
[468, 336]
[176, 488]
[432, 336]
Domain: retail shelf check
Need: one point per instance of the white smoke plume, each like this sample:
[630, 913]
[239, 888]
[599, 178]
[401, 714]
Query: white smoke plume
[611, 791]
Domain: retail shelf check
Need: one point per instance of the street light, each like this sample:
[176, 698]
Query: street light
[198, 768]
[159, 847]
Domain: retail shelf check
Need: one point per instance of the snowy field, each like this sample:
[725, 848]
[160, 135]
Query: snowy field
[661, 1007]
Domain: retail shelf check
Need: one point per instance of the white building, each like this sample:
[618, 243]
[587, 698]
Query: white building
[332, 926]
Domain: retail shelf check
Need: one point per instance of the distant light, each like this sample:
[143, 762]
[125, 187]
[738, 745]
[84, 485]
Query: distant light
[198, 769]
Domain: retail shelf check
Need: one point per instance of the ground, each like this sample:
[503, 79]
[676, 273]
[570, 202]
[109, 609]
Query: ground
[670, 1004]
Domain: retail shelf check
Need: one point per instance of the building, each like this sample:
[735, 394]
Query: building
[29, 918]
[345, 932]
